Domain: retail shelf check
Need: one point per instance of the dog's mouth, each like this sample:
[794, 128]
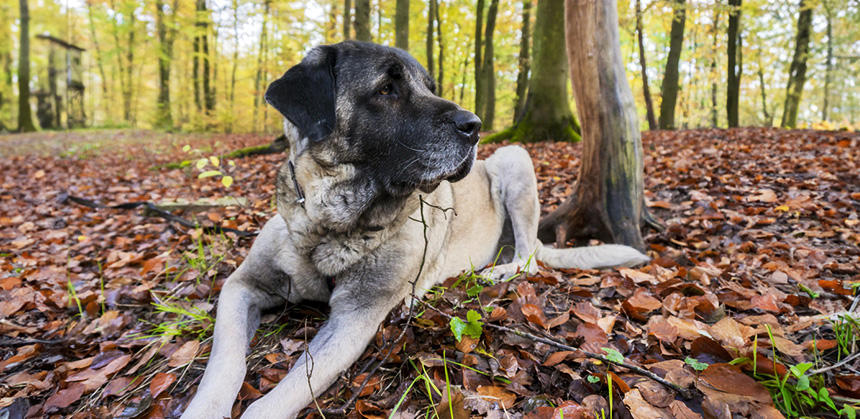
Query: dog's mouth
[405, 187]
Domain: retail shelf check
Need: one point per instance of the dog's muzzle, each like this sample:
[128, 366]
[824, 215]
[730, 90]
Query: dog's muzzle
[468, 125]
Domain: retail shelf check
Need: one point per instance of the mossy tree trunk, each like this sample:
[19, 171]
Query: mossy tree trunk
[669, 88]
[608, 201]
[797, 70]
[401, 24]
[479, 36]
[546, 115]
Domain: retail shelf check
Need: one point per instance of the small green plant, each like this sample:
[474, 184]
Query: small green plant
[472, 326]
[695, 364]
[210, 166]
[73, 296]
[190, 321]
[846, 328]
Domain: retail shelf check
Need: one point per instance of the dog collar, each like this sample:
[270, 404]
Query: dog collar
[300, 195]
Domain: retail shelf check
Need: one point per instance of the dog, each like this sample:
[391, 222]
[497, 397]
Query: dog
[381, 198]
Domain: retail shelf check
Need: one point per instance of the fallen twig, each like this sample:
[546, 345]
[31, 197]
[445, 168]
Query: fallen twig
[685, 393]
[836, 365]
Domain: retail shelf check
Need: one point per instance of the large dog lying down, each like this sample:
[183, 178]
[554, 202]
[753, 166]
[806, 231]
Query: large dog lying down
[371, 149]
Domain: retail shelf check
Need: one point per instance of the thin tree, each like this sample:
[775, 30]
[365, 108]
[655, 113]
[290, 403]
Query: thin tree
[401, 25]
[163, 118]
[347, 19]
[715, 31]
[735, 69]
[99, 61]
[440, 81]
[488, 69]
[646, 90]
[362, 20]
[235, 64]
[479, 33]
[262, 53]
[797, 70]
[828, 69]
[608, 201]
[431, 19]
[669, 89]
[768, 118]
[546, 115]
[524, 60]
[25, 118]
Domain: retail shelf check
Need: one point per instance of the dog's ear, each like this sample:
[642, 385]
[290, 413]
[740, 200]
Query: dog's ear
[305, 94]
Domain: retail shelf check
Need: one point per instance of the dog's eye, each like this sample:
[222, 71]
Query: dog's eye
[387, 90]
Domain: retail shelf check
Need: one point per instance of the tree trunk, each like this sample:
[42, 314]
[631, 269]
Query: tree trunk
[25, 118]
[733, 82]
[261, 53]
[524, 60]
[716, 29]
[128, 95]
[767, 116]
[646, 90]
[431, 18]
[608, 202]
[203, 55]
[669, 89]
[479, 31]
[440, 81]
[347, 19]
[163, 118]
[235, 65]
[401, 25]
[828, 69]
[99, 62]
[797, 70]
[362, 20]
[546, 115]
[488, 69]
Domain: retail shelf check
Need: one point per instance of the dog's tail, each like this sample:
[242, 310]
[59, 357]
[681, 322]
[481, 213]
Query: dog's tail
[591, 257]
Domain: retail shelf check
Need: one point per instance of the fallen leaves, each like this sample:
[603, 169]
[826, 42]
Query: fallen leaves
[761, 232]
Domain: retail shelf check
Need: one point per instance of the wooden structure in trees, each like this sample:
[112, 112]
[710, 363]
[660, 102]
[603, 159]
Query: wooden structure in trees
[60, 98]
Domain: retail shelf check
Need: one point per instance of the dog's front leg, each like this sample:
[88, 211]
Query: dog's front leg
[354, 319]
[238, 316]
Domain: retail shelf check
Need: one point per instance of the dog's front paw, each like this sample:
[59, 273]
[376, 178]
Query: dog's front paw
[505, 272]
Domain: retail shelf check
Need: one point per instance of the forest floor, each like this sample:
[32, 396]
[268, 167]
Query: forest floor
[108, 313]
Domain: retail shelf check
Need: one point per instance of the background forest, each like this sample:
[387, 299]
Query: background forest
[203, 65]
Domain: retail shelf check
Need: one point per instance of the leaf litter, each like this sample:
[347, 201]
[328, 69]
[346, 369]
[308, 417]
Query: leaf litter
[109, 313]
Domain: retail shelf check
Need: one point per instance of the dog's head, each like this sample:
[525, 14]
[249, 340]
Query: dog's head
[375, 108]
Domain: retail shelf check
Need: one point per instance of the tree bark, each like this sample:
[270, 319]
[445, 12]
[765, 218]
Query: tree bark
[479, 33]
[261, 54]
[440, 81]
[163, 117]
[767, 116]
[347, 19]
[828, 69]
[716, 29]
[25, 117]
[524, 60]
[608, 202]
[797, 70]
[488, 69]
[401, 25]
[235, 65]
[362, 20]
[646, 90]
[431, 18]
[546, 115]
[106, 99]
[669, 89]
[733, 81]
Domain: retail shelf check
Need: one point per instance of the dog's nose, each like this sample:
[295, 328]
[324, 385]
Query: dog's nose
[467, 125]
